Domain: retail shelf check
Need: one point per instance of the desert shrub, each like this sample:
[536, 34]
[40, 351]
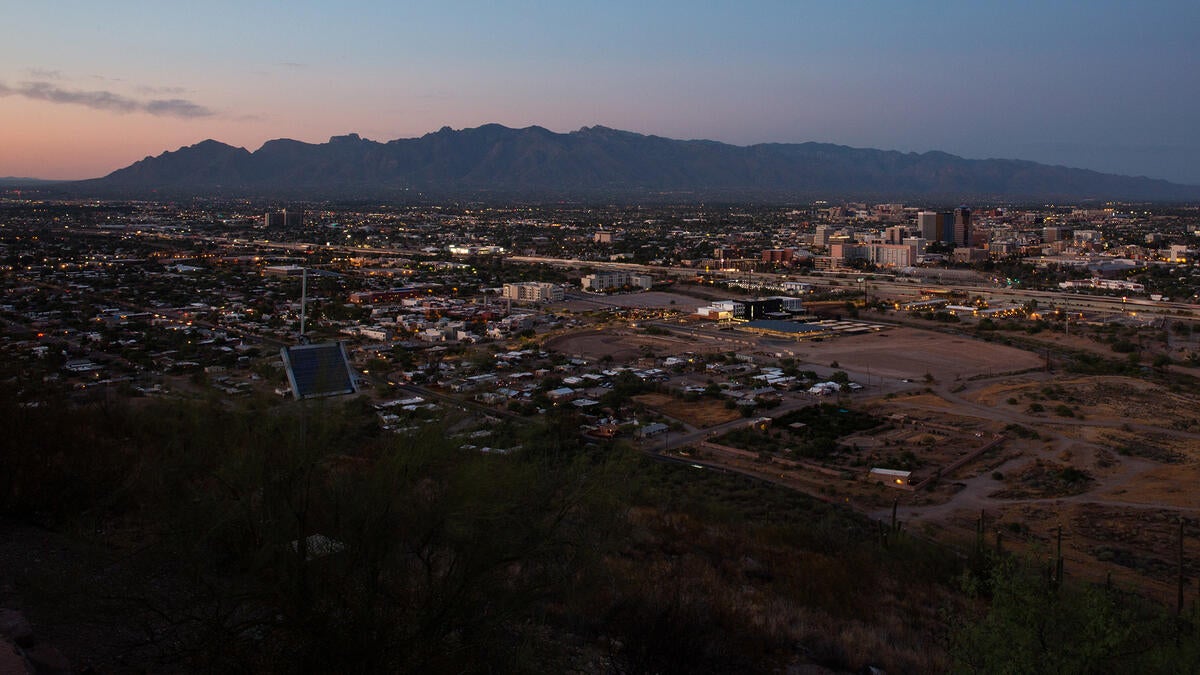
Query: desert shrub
[1124, 347]
[1033, 625]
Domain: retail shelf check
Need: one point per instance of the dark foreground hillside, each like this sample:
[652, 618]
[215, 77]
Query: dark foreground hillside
[148, 535]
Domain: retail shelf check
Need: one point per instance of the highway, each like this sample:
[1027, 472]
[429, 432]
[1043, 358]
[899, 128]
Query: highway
[911, 288]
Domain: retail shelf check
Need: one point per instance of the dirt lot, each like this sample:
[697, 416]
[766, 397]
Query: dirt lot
[625, 345]
[647, 300]
[1115, 473]
[911, 353]
[700, 414]
[1128, 400]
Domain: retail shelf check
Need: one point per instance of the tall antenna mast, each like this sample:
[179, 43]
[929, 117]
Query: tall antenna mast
[303, 299]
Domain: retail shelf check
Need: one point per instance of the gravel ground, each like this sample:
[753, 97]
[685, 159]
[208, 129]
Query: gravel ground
[78, 597]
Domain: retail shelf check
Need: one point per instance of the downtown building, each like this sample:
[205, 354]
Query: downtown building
[611, 281]
[951, 227]
[774, 307]
[779, 256]
[284, 218]
[883, 255]
[533, 291]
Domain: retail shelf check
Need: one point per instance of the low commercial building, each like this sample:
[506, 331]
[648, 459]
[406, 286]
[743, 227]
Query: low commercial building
[533, 291]
[722, 310]
[892, 255]
[785, 256]
[608, 281]
[775, 307]
[390, 295]
[1104, 284]
[283, 270]
[970, 255]
[893, 477]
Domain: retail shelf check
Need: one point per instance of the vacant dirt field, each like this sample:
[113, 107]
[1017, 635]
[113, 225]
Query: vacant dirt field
[911, 353]
[625, 345]
[1110, 459]
[701, 414]
[647, 300]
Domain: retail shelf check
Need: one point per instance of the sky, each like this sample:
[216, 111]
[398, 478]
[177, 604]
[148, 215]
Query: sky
[90, 87]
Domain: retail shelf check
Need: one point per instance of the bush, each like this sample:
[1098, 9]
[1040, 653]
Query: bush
[1034, 625]
[1124, 347]
[1021, 432]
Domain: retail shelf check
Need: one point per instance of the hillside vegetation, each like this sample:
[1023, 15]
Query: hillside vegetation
[184, 527]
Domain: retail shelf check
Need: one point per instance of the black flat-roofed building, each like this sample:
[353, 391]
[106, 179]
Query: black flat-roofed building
[750, 310]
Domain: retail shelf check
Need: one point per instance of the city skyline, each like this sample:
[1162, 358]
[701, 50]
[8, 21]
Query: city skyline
[1098, 86]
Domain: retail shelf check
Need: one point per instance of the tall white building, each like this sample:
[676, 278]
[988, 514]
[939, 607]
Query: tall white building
[821, 236]
[892, 255]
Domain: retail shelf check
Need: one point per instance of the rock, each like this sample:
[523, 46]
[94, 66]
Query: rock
[11, 661]
[15, 627]
[47, 660]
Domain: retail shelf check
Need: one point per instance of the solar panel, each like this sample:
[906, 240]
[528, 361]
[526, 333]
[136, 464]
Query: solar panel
[318, 370]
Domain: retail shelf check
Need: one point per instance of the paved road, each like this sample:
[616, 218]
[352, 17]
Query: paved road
[1068, 301]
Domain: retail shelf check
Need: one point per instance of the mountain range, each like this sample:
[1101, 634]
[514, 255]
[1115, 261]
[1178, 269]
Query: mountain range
[597, 162]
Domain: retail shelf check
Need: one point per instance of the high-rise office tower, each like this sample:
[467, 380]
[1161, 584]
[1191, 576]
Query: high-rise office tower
[821, 236]
[962, 226]
[284, 218]
[937, 226]
[927, 225]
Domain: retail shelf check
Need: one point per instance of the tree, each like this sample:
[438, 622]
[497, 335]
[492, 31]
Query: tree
[1033, 625]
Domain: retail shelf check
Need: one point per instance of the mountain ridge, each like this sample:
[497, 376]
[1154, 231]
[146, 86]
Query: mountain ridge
[597, 160]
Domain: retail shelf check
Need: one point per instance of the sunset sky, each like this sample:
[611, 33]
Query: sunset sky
[89, 87]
